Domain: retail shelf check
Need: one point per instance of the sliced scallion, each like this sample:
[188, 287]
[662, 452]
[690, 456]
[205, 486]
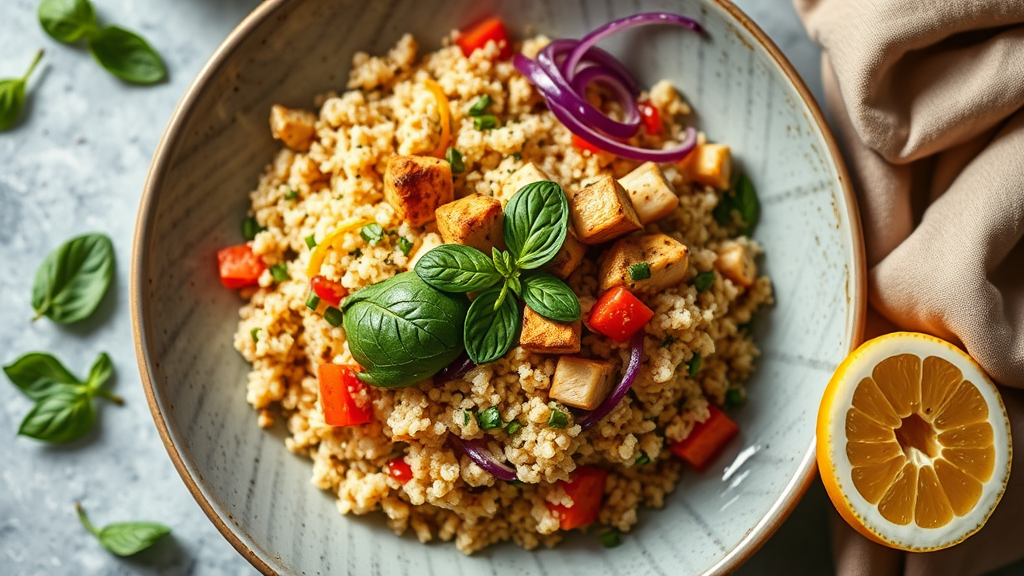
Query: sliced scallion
[333, 316]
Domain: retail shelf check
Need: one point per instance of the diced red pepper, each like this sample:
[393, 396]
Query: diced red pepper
[618, 314]
[239, 267]
[400, 470]
[586, 490]
[478, 35]
[343, 396]
[581, 144]
[706, 440]
[328, 290]
[650, 116]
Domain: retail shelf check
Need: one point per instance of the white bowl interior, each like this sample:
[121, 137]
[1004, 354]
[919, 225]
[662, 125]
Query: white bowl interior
[198, 194]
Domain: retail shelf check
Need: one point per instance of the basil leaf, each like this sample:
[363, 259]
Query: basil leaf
[101, 371]
[536, 221]
[747, 205]
[12, 95]
[550, 297]
[490, 333]
[402, 331]
[63, 416]
[125, 538]
[73, 278]
[39, 375]
[457, 268]
[67, 20]
[127, 56]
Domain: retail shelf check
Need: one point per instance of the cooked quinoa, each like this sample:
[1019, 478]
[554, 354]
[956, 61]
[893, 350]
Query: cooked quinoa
[387, 111]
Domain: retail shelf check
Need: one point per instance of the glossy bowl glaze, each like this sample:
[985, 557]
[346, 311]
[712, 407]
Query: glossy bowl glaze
[259, 495]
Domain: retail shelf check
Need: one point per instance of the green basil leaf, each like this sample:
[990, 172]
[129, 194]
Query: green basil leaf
[73, 278]
[490, 333]
[747, 205]
[67, 20]
[457, 268]
[39, 375]
[63, 416]
[501, 263]
[127, 538]
[101, 371]
[12, 95]
[550, 297]
[127, 56]
[536, 221]
[402, 331]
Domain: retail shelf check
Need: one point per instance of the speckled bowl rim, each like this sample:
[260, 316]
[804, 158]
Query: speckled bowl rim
[750, 543]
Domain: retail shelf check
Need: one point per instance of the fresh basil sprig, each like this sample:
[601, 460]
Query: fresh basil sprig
[12, 95]
[536, 223]
[742, 201]
[121, 52]
[124, 538]
[73, 279]
[64, 408]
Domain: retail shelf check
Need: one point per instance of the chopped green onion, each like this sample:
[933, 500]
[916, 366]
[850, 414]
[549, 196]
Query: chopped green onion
[333, 316]
[454, 158]
[734, 397]
[311, 241]
[485, 122]
[465, 417]
[481, 105]
[640, 271]
[643, 458]
[255, 333]
[668, 341]
[250, 228]
[694, 364]
[280, 273]
[489, 419]
[372, 233]
[611, 538]
[513, 427]
[405, 246]
[312, 301]
[704, 281]
[558, 419]
[291, 194]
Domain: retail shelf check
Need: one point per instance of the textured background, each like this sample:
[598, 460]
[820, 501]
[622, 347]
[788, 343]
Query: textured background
[77, 163]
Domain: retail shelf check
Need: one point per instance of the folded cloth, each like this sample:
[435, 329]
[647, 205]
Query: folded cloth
[927, 98]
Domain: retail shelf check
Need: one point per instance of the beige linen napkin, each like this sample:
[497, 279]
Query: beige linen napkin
[927, 99]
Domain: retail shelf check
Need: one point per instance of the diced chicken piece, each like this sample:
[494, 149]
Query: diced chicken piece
[526, 175]
[736, 263]
[416, 186]
[667, 261]
[569, 257]
[581, 383]
[602, 211]
[296, 128]
[546, 336]
[710, 165]
[430, 241]
[473, 221]
[652, 195]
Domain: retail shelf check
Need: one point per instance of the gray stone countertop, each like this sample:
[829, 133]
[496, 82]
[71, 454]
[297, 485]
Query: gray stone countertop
[76, 163]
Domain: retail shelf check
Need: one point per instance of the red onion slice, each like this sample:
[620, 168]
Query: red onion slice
[478, 452]
[618, 148]
[636, 356]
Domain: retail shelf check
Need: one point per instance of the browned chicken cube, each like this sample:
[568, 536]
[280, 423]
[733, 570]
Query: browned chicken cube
[528, 174]
[416, 186]
[581, 383]
[652, 195]
[648, 263]
[473, 221]
[736, 263]
[569, 257]
[545, 336]
[296, 128]
[710, 165]
[602, 211]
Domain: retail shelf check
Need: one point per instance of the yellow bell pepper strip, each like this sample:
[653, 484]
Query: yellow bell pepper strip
[446, 120]
[316, 259]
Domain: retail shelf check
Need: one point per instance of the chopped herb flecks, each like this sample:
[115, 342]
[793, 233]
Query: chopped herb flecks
[372, 233]
[694, 364]
[485, 122]
[311, 241]
[312, 301]
[640, 271]
[481, 105]
[333, 316]
[558, 419]
[454, 158]
[489, 419]
[704, 281]
[280, 273]
[513, 427]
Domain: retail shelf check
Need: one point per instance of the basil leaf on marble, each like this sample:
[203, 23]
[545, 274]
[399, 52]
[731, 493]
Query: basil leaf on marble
[125, 538]
[127, 55]
[67, 20]
[39, 375]
[63, 416]
[490, 332]
[72, 280]
[550, 297]
[536, 222]
[457, 268]
[12, 95]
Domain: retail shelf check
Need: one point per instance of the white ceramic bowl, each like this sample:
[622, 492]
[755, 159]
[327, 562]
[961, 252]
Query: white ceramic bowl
[259, 495]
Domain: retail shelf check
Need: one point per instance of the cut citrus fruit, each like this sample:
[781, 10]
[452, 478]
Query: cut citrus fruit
[913, 442]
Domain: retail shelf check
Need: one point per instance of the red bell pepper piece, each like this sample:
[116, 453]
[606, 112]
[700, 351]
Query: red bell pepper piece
[479, 34]
[328, 290]
[706, 440]
[239, 267]
[586, 490]
[343, 396]
[581, 144]
[618, 314]
[400, 470]
[650, 116]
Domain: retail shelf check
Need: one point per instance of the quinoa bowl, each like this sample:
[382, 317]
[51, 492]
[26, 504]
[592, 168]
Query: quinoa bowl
[353, 112]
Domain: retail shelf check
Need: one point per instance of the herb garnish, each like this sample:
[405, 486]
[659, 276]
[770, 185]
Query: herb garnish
[72, 280]
[485, 122]
[479, 108]
[405, 245]
[280, 273]
[558, 419]
[124, 538]
[12, 95]
[536, 222]
[64, 410]
[643, 458]
[489, 419]
[250, 228]
[694, 364]
[291, 194]
[372, 233]
[743, 200]
[454, 158]
[513, 427]
[611, 538]
[122, 52]
[311, 241]
[640, 271]
[704, 281]
[734, 397]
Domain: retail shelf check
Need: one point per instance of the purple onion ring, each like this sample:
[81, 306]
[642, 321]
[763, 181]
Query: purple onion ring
[636, 356]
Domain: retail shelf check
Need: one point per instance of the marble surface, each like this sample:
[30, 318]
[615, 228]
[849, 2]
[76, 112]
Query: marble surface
[76, 163]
